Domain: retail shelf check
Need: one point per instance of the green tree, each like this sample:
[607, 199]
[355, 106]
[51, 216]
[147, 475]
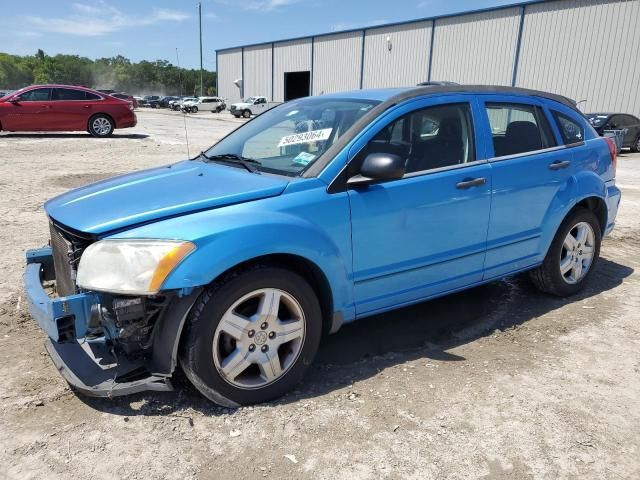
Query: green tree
[117, 73]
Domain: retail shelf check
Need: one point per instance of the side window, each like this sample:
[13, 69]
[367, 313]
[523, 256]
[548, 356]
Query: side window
[434, 137]
[67, 94]
[614, 122]
[570, 130]
[91, 96]
[518, 128]
[36, 95]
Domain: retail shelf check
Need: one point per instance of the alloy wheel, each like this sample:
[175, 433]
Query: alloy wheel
[101, 126]
[577, 253]
[259, 338]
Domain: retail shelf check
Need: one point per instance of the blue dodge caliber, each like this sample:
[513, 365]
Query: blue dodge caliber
[319, 212]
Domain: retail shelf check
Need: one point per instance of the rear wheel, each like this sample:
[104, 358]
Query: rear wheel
[101, 126]
[572, 255]
[251, 338]
[635, 148]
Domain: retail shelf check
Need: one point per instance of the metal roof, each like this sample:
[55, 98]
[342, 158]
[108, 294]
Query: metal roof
[393, 24]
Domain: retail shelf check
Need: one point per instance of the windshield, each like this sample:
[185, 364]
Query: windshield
[289, 138]
[597, 119]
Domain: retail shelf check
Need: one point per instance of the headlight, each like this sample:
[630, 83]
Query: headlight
[130, 266]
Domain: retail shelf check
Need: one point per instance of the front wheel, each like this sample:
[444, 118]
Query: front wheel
[194, 109]
[246, 114]
[101, 126]
[251, 338]
[572, 255]
[635, 148]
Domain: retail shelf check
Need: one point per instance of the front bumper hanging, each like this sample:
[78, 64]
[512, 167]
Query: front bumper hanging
[90, 367]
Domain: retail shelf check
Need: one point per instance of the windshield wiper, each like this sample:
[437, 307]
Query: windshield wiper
[247, 163]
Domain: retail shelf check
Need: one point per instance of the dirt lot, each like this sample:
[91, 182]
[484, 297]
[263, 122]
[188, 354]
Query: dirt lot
[499, 382]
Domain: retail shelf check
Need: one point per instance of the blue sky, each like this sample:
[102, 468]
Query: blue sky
[152, 29]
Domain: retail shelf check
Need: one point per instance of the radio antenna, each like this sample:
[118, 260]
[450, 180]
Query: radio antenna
[184, 116]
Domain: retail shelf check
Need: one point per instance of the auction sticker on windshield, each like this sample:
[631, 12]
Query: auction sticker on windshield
[305, 137]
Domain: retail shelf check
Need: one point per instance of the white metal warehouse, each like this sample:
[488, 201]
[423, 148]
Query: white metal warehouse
[584, 49]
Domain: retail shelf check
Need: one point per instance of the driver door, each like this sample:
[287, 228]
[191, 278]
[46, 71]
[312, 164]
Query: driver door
[31, 112]
[424, 234]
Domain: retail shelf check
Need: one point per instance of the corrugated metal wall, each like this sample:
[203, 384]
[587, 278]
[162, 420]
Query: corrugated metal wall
[229, 69]
[336, 63]
[477, 48]
[407, 62]
[257, 71]
[584, 49]
[292, 56]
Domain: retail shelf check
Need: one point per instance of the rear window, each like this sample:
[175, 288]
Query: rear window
[570, 130]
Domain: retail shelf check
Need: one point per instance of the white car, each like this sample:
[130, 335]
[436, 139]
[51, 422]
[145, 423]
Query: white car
[251, 106]
[177, 104]
[207, 104]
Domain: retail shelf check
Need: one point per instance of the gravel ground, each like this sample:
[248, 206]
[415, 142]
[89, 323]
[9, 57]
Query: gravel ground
[499, 382]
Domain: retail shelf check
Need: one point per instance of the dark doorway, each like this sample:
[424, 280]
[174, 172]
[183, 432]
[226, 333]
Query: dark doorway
[296, 85]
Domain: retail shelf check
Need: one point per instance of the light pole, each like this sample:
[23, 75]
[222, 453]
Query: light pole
[200, 22]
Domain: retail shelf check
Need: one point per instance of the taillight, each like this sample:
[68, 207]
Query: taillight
[613, 152]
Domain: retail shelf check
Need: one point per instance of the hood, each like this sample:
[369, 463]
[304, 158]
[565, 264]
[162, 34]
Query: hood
[151, 195]
[241, 104]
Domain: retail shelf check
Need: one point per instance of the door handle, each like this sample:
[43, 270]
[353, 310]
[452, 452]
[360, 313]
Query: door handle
[471, 182]
[86, 106]
[557, 165]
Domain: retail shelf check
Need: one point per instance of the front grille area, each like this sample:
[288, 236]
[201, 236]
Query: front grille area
[67, 249]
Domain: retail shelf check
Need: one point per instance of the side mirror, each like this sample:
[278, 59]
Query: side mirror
[378, 167]
[14, 100]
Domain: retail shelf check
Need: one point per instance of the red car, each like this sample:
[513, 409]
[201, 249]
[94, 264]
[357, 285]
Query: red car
[64, 108]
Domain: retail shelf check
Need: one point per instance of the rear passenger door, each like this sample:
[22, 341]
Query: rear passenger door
[71, 108]
[531, 182]
[423, 234]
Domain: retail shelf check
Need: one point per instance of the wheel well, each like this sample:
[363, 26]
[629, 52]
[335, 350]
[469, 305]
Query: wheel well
[598, 207]
[100, 113]
[303, 267]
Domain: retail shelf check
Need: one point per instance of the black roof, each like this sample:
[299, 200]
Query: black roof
[434, 89]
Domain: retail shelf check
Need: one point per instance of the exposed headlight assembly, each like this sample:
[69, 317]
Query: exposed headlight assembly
[132, 267]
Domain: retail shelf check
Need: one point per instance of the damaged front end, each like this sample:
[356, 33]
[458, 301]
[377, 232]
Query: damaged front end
[104, 345]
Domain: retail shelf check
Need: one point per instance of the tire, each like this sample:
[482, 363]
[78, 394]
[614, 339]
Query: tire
[100, 125]
[268, 364]
[194, 109]
[635, 148]
[246, 114]
[549, 276]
